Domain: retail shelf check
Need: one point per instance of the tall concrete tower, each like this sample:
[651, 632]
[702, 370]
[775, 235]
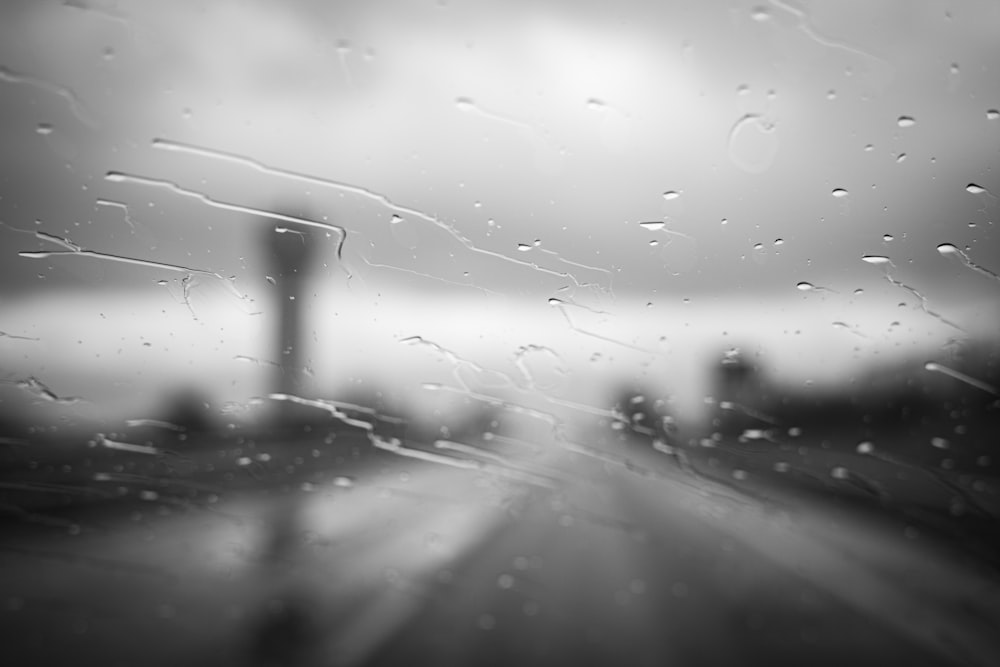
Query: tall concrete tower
[288, 249]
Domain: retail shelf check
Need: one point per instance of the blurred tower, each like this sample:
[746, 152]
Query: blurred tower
[739, 389]
[288, 251]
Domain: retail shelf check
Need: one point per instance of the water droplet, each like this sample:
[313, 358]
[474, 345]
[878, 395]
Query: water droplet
[906, 121]
[840, 472]
[725, 221]
[505, 581]
[465, 103]
[753, 144]
[992, 114]
[395, 219]
[487, 622]
[805, 287]
[869, 148]
[343, 482]
[652, 226]
[671, 194]
[186, 113]
[900, 157]
[44, 129]
[839, 192]
[831, 94]
[654, 242]
[108, 53]
[940, 443]
[162, 282]
[556, 302]
[859, 291]
[948, 249]
[779, 241]
[759, 14]
[596, 104]
[758, 246]
[975, 189]
[887, 237]
[876, 259]
[524, 247]
[865, 447]
[477, 204]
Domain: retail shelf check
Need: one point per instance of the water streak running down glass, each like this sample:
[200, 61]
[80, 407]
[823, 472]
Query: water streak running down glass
[448, 332]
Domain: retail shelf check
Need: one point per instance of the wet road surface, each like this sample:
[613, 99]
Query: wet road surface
[553, 553]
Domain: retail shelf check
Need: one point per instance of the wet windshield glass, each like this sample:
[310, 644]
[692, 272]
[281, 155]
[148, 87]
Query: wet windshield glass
[367, 333]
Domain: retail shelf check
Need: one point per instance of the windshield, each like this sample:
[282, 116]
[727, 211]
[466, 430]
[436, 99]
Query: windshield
[527, 332]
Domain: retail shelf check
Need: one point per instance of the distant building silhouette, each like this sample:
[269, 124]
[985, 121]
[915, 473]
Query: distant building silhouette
[289, 249]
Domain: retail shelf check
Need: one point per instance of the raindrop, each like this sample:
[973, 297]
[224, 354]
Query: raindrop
[975, 189]
[343, 482]
[948, 249]
[831, 94]
[992, 114]
[805, 287]
[840, 472]
[759, 14]
[887, 237]
[395, 219]
[108, 53]
[900, 157]
[876, 259]
[654, 242]
[906, 121]
[753, 144]
[44, 128]
[779, 241]
[865, 447]
[596, 104]
[186, 113]
[524, 247]
[758, 246]
[465, 103]
[869, 148]
[652, 226]
[671, 194]
[839, 192]
[939, 443]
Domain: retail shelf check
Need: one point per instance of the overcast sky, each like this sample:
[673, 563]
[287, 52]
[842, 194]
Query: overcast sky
[505, 150]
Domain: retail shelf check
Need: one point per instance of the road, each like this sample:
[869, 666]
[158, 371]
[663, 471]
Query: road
[553, 553]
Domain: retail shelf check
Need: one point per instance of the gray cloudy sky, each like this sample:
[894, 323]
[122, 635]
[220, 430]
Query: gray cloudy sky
[519, 146]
